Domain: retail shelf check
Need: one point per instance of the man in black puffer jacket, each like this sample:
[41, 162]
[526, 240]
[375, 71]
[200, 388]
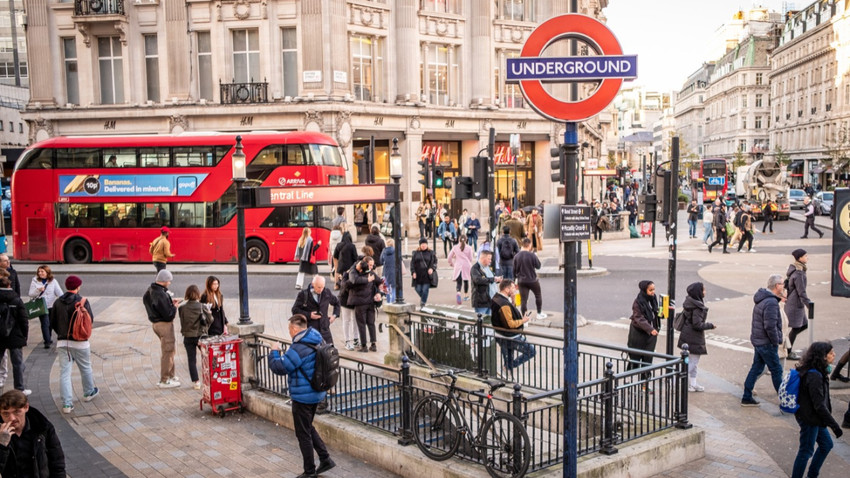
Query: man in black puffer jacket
[362, 295]
[766, 337]
[161, 310]
[29, 445]
[16, 339]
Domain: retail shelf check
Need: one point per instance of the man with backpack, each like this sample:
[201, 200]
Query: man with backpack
[301, 364]
[14, 330]
[766, 337]
[508, 248]
[67, 315]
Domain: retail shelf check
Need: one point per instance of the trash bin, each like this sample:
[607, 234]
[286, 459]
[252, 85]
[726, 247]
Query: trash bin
[221, 380]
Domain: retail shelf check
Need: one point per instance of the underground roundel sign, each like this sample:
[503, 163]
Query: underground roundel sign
[610, 67]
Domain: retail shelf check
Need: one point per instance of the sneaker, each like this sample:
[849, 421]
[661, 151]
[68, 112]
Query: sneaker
[752, 250]
[741, 251]
[169, 384]
[459, 299]
[196, 385]
[325, 466]
[750, 402]
[175, 379]
[356, 343]
[542, 315]
[696, 388]
[349, 345]
[307, 475]
[793, 356]
[67, 409]
[841, 378]
[90, 396]
[26, 392]
[373, 347]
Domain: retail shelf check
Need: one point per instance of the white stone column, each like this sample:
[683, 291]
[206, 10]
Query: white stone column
[480, 28]
[406, 50]
[38, 46]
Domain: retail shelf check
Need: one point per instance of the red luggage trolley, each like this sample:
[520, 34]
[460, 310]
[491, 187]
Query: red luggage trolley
[222, 384]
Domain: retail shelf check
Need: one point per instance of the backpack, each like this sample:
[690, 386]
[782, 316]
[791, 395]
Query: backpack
[7, 321]
[679, 320]
[506, 252]
[80, 329]
[789, 392]
[326, 371]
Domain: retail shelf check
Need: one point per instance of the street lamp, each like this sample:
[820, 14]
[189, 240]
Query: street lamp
[396, 167]
[239, 177]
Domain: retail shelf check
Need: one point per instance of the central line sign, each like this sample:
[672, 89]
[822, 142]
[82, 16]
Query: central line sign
[321, 195]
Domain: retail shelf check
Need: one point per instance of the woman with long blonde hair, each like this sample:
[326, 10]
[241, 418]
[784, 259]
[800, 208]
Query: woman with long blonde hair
[305, 254]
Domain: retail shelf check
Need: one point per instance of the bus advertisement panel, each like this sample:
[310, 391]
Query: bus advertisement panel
[98, 199]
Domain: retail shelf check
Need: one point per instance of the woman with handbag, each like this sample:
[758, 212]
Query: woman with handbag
[213, 300]
[46, 289]
[305, 254]
[195, 318]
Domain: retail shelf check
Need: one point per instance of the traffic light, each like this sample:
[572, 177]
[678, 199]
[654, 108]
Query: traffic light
[663, 194]
[647, 207]
[364, 166]
[425, 172]
[463, 188]
[559, 165]
[480, 177]
[438, 177]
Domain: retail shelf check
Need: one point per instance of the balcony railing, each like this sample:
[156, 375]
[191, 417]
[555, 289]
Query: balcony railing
[242, 93]
[98, 7]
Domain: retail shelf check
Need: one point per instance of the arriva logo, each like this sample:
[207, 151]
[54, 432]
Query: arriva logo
[292, 181]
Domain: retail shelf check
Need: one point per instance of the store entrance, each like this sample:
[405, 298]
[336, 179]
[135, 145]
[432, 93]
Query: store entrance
[505, 188]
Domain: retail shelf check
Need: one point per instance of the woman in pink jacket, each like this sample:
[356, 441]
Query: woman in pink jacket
[461, 258]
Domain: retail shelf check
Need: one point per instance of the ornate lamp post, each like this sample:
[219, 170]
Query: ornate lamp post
[239, 177]
[396, 167]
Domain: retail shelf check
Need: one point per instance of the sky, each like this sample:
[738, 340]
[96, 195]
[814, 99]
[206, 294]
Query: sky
[671, 37]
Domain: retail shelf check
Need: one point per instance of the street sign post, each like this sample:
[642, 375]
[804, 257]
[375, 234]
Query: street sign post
[609, 68]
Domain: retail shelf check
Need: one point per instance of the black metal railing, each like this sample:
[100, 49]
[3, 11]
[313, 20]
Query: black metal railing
[98, 7]
[238, 93]
[615, 404]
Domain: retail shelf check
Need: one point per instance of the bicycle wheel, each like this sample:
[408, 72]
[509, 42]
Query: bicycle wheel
[505, 446]
[436, 427]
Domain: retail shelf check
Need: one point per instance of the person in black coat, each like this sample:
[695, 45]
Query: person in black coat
[29, 445]
[693, 331]
[815, 412]
[377, 244]
[483, 283]
[320, 313]
[213, 299]
[362, 295]
[13, 274]
[423, 264]
[16, 340]
[345, 255]
[643, 332]
[720, 229]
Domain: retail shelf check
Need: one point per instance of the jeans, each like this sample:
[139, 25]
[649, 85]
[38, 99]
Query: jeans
[764, 355]
[422, 290]
[519, 345]
[709, 232]
[165, 332]
[809, 435]
[308, 437]
[484, 311]
[507, 268]
[390, 294]
[45, 329]
[191, 344]
[692, 228]
[473, 241]
[16, 356]
[83, 359]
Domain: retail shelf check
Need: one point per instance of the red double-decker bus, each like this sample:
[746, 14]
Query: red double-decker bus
[104, 199]
[715, 179]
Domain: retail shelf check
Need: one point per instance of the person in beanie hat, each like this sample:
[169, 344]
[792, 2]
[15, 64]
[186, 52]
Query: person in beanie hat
[71, 350]
[797, 300]
[160, 249]
[161, 308]
[423, 264]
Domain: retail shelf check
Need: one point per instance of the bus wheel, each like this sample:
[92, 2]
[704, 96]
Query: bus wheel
[257, 252]
[77, 251]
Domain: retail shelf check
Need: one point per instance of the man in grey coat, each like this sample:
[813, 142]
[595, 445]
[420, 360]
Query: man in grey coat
[798, 300]
[766, 337]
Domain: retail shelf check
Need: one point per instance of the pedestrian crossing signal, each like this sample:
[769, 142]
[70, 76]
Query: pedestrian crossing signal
[438, 178]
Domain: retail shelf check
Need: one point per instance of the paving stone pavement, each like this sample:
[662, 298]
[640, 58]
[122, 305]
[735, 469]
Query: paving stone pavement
[135, 429]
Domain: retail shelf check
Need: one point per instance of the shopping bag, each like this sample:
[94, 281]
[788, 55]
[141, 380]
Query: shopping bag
[36, 307]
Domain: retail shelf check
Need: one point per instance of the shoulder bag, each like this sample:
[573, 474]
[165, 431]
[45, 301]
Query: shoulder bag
[36, 307]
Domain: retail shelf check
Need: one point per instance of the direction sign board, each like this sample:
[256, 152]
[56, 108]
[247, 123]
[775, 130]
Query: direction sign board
[717, 181]
[610, 67]
[321, 195]
[575, 223]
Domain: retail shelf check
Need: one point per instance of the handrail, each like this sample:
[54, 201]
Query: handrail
[380, 366]
[413, 347]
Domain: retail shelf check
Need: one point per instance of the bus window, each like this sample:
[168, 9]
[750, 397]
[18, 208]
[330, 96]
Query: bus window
[153, 157]
[326, 216]
[190, 215]
[156, 215]
[290, 217]
[36, 159]
[269, 156]
[324, 155]
[295, 156]
[119, 215]
[79, 215]
[195, 156]
[222, 211]
[78, 158]
[119, 158]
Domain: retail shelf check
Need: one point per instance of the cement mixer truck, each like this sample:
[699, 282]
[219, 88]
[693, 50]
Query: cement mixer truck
[765, 179]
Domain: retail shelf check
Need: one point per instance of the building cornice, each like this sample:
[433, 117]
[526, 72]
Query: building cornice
[823, 51]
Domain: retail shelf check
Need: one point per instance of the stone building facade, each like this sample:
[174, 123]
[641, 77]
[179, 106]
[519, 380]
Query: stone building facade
[810, 90]
[689, 110]
[429, 72]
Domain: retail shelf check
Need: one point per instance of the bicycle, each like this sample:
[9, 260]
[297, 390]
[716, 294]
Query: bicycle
[438, 429]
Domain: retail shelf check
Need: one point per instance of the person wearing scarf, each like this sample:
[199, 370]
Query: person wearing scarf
[643, 333]
[797, 299]
[693, 331]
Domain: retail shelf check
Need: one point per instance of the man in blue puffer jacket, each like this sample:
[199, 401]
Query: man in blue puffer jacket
[299, 364]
